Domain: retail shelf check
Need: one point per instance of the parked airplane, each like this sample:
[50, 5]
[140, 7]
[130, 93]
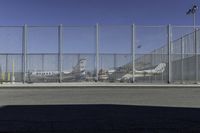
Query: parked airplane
[123, 75]
[77, 73]
[144, 73]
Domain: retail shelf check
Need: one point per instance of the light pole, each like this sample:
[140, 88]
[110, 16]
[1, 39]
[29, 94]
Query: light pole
[192, 11]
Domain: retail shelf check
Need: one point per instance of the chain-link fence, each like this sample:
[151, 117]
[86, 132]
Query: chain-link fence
[103, 53]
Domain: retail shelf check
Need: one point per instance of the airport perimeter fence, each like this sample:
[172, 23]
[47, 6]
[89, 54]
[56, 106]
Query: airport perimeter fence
[113, 53]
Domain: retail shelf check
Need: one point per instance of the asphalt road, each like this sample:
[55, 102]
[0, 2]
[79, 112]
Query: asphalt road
[100, 110]
[187, 97]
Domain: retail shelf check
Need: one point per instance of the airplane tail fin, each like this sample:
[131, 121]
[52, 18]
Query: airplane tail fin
[81, 66]
[160, 68]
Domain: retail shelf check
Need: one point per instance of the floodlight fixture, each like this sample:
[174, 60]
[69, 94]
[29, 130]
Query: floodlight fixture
[193, 11]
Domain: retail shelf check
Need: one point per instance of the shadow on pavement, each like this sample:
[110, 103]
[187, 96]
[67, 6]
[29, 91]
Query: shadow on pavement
[98, 118]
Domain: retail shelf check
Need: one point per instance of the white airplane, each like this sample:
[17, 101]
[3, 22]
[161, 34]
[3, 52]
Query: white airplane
[124, 76]
[77, 73]
[144, 73]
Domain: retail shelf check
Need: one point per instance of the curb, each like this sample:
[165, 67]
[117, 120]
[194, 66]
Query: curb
[95, 85]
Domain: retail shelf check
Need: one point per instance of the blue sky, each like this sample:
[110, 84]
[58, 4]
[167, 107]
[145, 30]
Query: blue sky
[86, 12]
[90, 12]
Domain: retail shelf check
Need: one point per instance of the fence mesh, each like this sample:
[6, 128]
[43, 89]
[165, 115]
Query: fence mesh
[69, 54]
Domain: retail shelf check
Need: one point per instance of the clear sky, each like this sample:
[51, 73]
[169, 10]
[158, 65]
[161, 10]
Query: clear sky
[86, 12]
[90, 12]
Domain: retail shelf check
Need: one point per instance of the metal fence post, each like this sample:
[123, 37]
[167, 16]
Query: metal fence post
[115, 64]
[60, 45]
[133, 51]
[169, 53]
[115, 61]
[78, 57]
[24, 52]
[97, 51]
[6, 63]
[42, 55]
[156, 62]
[162, 59]
[196, 57]
[182, 57]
